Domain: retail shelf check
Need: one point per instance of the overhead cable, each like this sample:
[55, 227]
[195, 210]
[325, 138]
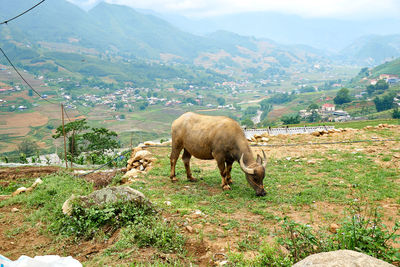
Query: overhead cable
[7, 21]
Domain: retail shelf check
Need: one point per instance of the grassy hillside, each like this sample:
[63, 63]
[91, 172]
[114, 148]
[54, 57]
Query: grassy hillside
[390, 67]
[309, 188]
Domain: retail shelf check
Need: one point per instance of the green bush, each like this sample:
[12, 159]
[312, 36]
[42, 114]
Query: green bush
[362, 233]
[86, 222]
[369, 235]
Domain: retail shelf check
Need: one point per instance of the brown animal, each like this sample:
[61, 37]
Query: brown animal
[219, 138]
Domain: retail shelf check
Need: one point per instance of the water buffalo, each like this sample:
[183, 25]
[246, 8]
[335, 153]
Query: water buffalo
[219, 138]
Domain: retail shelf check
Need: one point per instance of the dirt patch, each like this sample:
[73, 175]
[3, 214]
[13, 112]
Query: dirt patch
[17, 238]
[26, 172]
[19, 120]
[101, 179]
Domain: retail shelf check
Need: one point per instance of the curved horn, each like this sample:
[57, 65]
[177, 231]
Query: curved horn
[244, 168]
[264, 160]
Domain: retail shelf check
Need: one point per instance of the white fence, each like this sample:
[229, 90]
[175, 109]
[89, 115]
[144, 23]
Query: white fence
[289, 130]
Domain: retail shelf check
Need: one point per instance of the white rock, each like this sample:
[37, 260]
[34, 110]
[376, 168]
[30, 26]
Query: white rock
[342, 258]
[19, 191]
[133, 173]
[142, 154]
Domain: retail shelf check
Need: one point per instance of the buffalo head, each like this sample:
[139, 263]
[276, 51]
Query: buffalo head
[255, 173]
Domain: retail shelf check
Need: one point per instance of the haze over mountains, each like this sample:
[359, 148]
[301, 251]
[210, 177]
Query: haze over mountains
[246, 39]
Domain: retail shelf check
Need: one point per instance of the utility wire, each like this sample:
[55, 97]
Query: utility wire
[120, 156]
[7, 21]
[65, 111]
[20, 75]
[30, 86]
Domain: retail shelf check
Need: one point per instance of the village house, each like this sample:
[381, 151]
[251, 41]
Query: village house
[390, 78]
[327, 108]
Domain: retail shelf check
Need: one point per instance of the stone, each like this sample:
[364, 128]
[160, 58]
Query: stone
[68, 205]
[102, 197]
[315, 134]
[150, 143]
[142, 154]
[189, 229]
[257, 136]
[36, 183]
[341, 258]
[135, 150]
[333, 228]
[136, 164]
[19, 191]
[133, 173]
[14, 210]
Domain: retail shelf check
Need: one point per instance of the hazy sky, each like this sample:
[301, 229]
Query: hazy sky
[345, 9]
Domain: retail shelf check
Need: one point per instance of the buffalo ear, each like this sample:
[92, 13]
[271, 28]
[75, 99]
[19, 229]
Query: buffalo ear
[259, 160]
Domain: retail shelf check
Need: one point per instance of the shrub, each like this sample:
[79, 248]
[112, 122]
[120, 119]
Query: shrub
[85, 222]
[362, 233]
[141, 225]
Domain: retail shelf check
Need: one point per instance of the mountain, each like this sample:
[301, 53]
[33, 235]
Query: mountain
[391, 67]
[372, 50]
[322, 33]
[114, 30]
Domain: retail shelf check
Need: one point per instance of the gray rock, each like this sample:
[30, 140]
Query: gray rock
[106, 196]
[341, 258]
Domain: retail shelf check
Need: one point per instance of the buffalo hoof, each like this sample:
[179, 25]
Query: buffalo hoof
[226, 187]
[192, 179]
[261, 194]
[174, 179]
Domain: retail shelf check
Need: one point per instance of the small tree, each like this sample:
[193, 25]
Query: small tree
[247, 122]
[221, 101]
[72, 130]
[396, 113]
[28, 147]
[342, 96]
[314, 117]
[384, 103]
[100, 139]
[291, 119]
[313, 106]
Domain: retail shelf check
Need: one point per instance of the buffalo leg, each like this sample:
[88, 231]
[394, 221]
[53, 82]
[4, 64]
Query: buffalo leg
[228, 172]
[176, 150]
[222, 171]
[186, 160]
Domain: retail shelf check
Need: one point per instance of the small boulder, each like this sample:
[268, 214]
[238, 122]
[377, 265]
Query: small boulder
[342, 258]
[14, 210]
[135, 150]
[102, 197]
[150, 143]
[36, 183]
[316, 134]
[142, 154]
[19, 191]
[333, 228]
